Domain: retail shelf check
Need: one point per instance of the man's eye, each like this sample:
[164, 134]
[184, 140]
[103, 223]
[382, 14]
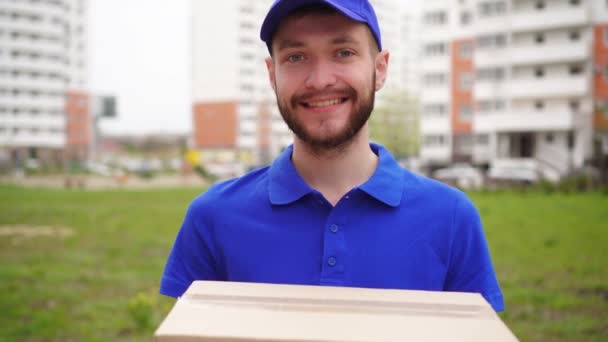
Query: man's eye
[345, 53]
[295, 58]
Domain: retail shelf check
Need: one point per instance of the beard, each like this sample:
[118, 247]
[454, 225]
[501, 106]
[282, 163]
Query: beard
[340, 139]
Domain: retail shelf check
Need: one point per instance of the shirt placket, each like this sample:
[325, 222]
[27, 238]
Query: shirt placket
[334, 260]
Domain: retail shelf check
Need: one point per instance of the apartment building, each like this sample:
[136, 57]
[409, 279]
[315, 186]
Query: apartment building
[235, 118]
[44, 105]
[514, 81]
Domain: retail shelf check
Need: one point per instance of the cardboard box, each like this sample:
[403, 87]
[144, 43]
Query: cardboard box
[228, 311]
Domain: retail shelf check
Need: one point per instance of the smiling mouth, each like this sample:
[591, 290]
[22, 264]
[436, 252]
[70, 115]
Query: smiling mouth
[324, 103]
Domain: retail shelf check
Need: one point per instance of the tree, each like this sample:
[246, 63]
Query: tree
[395, 124]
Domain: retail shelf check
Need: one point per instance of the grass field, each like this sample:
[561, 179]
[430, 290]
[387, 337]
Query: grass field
[78, 265]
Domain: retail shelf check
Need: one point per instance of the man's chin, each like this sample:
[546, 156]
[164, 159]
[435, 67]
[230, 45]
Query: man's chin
[327, 142]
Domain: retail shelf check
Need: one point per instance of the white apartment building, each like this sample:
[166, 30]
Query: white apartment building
[514, 81]
[235, 117]
[44, 108]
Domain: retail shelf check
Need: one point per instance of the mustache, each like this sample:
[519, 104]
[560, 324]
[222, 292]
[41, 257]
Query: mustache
[304, 97]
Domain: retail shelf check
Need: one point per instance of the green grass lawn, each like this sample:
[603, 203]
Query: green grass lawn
[94, 273]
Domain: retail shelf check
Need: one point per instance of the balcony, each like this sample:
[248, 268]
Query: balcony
[549, 19]
[482, 154]
[44, 47]
[43, 65]
[491, 57]
[492, 24]
[41, 83]
[32, 102]
[550, 53]
[549, 120]
[489, 90]
[439, 154]
[435, 94]
[44, 7]
[434, 34]
[435, 124]
[435, 64]
[41, 121]
[550, 87]
[41, 28]
[46, 139]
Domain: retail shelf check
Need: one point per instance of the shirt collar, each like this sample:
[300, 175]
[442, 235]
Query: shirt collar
[386, 184]
[285, 184]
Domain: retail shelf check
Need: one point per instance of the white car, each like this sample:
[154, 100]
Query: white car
[461, 175]
[516, 175]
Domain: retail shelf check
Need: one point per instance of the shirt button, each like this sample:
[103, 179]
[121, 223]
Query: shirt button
[333, 228]
[331, 261]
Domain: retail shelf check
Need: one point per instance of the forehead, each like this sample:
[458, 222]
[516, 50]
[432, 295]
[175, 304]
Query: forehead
[318, 28]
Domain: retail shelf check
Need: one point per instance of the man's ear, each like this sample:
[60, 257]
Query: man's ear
[381, 65]
[271, 76]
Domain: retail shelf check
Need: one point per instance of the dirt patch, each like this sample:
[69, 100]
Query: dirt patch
[601, 292]
[21, 232]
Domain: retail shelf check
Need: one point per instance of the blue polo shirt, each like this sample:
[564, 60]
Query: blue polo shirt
[398, 230]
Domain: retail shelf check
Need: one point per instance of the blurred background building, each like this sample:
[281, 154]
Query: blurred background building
[45, 113]
[236, 123]
[514, 83]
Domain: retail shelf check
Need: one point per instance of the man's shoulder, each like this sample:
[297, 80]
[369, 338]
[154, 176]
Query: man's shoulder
[428, 188]
[235, 190]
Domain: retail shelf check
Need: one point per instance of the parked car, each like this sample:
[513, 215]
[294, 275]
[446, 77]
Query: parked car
[517, 175]
[461, 175]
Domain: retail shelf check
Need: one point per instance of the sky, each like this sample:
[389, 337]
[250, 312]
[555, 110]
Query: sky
[139, 51]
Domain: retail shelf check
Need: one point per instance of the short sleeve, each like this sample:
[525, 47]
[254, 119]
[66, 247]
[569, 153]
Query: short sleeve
[470, 266]
[192, 256]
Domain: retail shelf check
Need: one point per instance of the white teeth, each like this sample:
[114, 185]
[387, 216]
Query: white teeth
[324, 103]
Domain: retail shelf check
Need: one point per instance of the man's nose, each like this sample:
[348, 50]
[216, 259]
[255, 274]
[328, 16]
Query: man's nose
[321, 76]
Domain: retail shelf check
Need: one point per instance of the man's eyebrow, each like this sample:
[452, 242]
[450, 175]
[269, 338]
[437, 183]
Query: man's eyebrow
[289, 43]
[344, 40]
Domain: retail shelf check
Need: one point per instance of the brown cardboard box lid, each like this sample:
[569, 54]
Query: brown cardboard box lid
[230, 311]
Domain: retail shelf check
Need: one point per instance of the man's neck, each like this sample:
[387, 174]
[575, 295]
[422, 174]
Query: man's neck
[335, 172]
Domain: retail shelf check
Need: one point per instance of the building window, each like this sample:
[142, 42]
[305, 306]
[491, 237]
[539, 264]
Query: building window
[491, 74]
[575, 35]
[466, 113]
[549, 138]
[540, 38]
[482, 139]
[571, 140]
[492, 41]
[433, 79]
[574, 105]
[539, 105]
[606, 73]
[465, 81]
[435, 49]
[540, 5]
[433, 140]
[491, 105]
[434, 110]
[246, 9]
[465, 18]
[492, 8]
[575, 2]
[465, 50]
[606, 36]
[436, 18]
[576, 69]
[539, 72]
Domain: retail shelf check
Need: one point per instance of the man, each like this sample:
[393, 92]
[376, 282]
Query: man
[332, 209]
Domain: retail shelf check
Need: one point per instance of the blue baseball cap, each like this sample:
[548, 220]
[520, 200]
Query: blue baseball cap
[357, 10]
